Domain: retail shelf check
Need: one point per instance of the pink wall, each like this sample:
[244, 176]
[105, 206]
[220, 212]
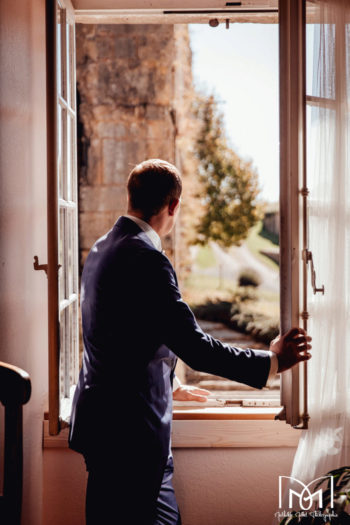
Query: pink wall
[213, 486]
[23, 221]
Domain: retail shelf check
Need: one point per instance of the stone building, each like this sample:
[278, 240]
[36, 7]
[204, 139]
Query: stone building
[135, 93]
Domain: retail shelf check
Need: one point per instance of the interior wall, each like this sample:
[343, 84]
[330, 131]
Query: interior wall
[23, 292]
[213, 486]
[216, 486]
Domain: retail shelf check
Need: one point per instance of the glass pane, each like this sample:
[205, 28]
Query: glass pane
[74, 341]
[60, 146]
[70, 254]
[316, 35]
[73, 147]
[61, 256]
[67, 63]
[72, 65]
[58, 51]
[63, 54]
[69, 160]
[75, 250]
[63, 173]
[347, 58]
[63, 352]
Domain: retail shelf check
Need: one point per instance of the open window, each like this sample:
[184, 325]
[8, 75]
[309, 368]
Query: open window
[62, 214]
[62, 179]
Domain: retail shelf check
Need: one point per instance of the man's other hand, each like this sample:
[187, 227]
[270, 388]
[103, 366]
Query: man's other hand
[288, 348]
[190, 393]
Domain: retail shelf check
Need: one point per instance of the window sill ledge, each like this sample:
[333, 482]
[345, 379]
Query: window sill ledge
[215, 428]
[226, 413]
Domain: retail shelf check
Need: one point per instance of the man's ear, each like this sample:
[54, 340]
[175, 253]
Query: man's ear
[173, 205]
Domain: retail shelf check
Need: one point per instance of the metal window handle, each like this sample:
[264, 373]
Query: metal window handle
[309, 259]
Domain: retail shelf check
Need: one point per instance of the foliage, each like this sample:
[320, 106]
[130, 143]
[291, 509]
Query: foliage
[249, 277]
[230, 184]
[326, 514]
[270, 236]
[236, 315]
[258, 244]
[216, 311]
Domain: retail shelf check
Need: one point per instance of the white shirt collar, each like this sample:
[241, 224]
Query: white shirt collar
[149, 231]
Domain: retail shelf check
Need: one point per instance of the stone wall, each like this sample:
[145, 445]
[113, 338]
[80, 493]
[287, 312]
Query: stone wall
[134, 100]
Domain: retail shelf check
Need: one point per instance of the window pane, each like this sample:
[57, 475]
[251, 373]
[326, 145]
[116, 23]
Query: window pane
[69, 252]
[64, 353]
[63, 54]
[316, 35]
[61, 256]
[58, 48]
[73, 161]
[59, 152]
[72, 65]
[63, 148]
[68, 185]
[74, 343]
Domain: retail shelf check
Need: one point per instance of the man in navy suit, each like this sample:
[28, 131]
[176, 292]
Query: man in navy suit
[135, 325]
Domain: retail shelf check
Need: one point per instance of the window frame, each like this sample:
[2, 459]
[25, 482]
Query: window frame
[62, 201]
[292, 200]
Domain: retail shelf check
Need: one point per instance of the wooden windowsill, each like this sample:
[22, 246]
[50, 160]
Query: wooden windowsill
[226, 413]
[215, 428]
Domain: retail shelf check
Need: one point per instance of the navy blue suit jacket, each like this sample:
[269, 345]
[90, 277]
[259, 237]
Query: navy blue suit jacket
[135, 325]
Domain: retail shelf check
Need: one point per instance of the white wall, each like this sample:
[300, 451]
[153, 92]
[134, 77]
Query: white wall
[23, 303]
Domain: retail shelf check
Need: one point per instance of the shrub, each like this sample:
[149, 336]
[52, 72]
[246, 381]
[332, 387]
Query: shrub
[249, 277]
[237, 316]
[217, 311]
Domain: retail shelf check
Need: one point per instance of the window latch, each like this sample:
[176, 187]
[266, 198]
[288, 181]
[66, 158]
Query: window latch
[309, 259]
[38, 266]
[44, 267]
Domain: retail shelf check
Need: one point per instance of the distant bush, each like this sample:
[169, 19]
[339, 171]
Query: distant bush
[236, 315]
[216, 311]
[270, 236]
[259, 326]
[244, 294]
[249, 277]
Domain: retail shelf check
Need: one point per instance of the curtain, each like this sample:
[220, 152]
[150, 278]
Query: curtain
[325, 445]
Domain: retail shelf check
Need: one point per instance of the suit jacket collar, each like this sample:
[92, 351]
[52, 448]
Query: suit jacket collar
[129, 227]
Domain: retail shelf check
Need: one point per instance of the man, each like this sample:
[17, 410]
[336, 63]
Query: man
[135, 325]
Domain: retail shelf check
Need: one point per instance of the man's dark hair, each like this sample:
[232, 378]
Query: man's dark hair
[153, 184]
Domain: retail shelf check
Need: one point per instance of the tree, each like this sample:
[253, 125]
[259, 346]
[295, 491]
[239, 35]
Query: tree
[230, 184]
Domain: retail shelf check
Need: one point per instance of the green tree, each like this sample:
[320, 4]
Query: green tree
[229, 183]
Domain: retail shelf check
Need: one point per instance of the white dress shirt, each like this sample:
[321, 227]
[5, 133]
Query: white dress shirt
[154, 237]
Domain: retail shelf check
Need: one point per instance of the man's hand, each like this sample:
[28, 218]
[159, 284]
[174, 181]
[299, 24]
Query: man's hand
[190, 393]
[289, 346]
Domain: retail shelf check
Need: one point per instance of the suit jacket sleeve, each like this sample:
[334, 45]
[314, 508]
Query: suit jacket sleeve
[182, 334]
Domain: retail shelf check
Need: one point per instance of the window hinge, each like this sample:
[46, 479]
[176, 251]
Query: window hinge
[305, 423]
[281, 415]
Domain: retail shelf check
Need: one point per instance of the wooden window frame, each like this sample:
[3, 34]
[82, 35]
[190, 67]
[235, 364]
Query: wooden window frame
[292, 200]
[293, 205]
[62, 202]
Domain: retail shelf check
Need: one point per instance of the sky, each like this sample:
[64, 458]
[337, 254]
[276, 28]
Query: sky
[240, 66]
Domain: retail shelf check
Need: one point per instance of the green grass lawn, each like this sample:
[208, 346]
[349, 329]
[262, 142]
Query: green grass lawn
[205, 257]
[199, 287]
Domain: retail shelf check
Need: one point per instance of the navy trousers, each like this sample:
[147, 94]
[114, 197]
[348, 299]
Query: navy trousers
[115, 499]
